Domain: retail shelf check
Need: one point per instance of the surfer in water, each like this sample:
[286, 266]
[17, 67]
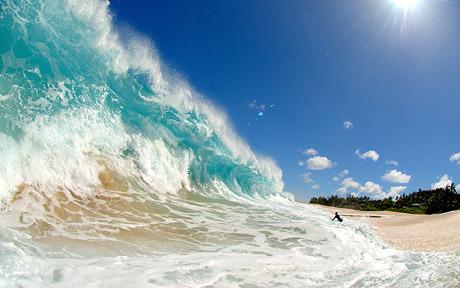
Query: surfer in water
[337, 216]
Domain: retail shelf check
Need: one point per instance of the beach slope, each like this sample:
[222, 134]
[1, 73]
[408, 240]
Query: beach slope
[438, 232]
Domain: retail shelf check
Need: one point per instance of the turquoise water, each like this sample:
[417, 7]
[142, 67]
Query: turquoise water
[114, 172]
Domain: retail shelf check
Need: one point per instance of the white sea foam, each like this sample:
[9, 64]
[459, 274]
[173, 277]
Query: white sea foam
[9, 166]
[164, 170]
[64, 151]
[138, 53]
[272, 246]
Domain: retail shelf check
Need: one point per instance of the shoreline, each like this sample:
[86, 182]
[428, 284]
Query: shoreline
[413, 232]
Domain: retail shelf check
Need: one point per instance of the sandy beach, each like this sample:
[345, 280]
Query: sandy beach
[438, 232]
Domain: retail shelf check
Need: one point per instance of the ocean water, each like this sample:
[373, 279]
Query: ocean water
[114, 172]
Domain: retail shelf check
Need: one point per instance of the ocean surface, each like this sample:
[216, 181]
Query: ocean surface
[114, 172]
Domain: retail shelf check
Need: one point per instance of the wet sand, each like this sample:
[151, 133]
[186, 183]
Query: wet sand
[438, 232]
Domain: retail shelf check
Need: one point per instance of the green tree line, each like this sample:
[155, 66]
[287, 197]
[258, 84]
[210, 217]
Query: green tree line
[422, 202]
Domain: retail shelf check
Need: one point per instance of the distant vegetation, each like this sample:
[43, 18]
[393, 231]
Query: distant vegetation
[422, 202]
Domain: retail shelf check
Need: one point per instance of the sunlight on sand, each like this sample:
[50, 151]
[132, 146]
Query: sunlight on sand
[438, 232]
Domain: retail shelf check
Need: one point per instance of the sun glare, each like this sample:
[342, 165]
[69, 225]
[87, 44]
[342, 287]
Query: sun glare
[405, 4]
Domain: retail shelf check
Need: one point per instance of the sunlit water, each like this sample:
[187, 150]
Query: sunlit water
[115, 173]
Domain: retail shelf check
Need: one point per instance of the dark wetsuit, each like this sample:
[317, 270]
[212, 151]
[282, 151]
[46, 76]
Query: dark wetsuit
[337, 217]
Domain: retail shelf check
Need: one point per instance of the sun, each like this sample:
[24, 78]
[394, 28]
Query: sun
[405, 4]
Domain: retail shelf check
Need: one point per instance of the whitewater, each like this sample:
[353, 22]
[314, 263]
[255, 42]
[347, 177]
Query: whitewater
[114, 172]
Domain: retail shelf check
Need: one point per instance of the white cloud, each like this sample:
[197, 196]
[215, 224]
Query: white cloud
[315, 186]
[342, 190]
[392, 162]
[373, 155]
[318, 163]
[455, 158]
[347, 125]
[310, 152]
[348, 183]
[395, 191]
[307, 178]
[372, 188]
[442, 183]
[341, 175]
[376, 191]
[396, 176]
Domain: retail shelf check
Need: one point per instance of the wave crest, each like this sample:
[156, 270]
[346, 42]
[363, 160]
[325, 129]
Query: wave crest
[78, 92]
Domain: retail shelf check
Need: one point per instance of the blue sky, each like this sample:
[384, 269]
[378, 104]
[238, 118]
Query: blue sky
[311, 66]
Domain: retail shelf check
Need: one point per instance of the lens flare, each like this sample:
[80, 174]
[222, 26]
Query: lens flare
[405, 4]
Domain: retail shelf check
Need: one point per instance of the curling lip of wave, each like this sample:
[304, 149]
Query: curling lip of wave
[157, 125]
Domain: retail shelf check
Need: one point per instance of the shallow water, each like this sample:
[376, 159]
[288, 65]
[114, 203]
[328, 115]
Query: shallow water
[187, 242]
[114, 173]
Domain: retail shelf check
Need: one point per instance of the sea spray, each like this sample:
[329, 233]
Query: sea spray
[68, 75]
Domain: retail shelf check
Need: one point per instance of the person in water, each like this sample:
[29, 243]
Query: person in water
[337, 216]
